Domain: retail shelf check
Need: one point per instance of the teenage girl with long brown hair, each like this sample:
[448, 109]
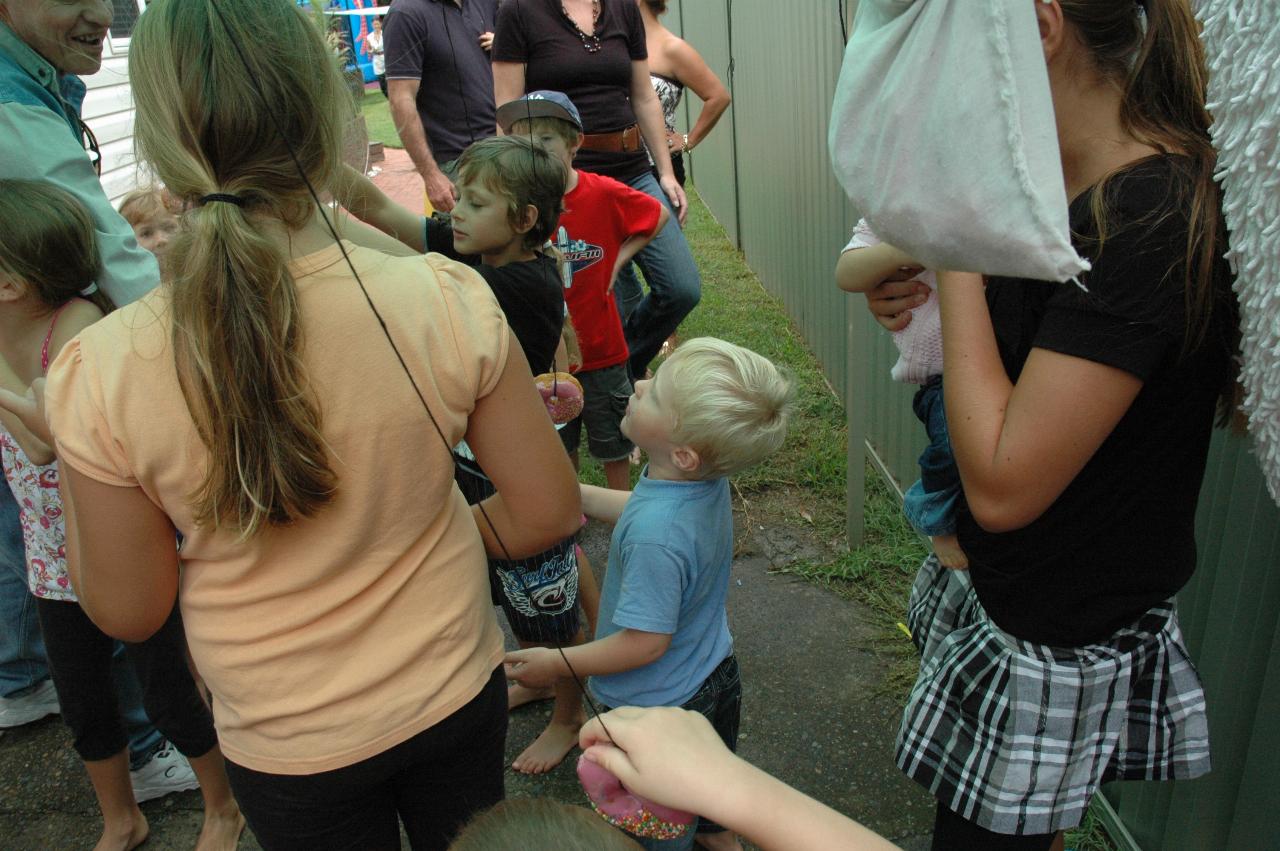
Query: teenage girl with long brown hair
[1080, 418]
[333, 581]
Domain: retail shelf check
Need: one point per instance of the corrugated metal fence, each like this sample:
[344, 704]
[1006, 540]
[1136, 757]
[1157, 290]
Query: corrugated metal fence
[764, 173]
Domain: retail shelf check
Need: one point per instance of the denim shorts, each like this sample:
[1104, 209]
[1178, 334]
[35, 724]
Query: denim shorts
[719, 700]
[605, 392]
[930, 503]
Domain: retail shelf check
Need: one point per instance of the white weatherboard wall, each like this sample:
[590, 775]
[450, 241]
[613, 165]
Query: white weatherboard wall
[108, 110]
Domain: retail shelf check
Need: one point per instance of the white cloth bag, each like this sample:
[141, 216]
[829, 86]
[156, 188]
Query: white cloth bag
[942, 134]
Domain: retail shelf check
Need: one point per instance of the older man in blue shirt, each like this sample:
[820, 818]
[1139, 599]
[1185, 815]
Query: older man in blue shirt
[44, 45]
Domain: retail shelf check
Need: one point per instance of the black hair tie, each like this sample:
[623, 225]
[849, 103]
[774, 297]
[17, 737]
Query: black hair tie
[222, 197]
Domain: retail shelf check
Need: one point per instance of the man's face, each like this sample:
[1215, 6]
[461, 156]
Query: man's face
[70, 34]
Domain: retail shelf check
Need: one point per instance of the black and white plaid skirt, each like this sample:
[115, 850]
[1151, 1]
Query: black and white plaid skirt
[1017, 737]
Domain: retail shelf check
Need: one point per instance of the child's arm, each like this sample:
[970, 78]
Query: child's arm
[569, 339]
[369, 204]
[861, 269]
[634, 245]
[603, 503]
[538, 667]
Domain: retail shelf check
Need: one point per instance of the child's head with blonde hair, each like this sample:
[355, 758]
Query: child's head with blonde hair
[539, 824]
[153, 213]
[727, 404]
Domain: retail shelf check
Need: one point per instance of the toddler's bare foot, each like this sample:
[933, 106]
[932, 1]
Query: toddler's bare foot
[725, 840]
[221, 830]
[947, 549]
[549, 749]
[124, 836]
[518, 695]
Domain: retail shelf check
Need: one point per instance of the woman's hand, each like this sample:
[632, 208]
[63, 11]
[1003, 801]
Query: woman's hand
[486, 41]
[891, 301]
[675, 142]
[675, 194]
[671, 756]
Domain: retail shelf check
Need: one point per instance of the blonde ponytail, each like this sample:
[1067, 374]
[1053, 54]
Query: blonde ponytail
[217, 96]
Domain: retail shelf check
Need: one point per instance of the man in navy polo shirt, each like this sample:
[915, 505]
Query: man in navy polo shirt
[445, 43]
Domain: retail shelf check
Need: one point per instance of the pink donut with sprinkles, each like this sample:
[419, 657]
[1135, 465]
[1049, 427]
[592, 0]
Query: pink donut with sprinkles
[630, 812]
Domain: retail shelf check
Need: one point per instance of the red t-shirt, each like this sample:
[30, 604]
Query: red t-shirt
[599, 215]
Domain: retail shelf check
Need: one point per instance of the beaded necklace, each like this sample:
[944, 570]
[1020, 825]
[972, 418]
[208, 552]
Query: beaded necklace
[590, 43]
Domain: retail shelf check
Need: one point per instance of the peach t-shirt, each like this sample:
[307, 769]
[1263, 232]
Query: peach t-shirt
[336, 638]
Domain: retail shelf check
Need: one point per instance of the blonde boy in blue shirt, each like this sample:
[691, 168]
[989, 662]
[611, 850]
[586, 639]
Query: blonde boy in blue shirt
[662, 638]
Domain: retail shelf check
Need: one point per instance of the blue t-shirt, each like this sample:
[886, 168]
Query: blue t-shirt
[669, 573]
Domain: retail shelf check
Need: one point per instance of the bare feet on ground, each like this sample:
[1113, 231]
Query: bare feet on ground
[221, 831]
[724, 841]
[550, 748]
[947, 549]
[125, 836]
[518, 695]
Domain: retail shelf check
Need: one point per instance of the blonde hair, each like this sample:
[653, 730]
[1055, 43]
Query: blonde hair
[219, 90]
[539, 824]
[566, 130]
[730, 405]
[143, 203]
[49, 242]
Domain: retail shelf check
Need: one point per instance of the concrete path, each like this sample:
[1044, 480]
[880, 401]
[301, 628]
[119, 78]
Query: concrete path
[811, 716]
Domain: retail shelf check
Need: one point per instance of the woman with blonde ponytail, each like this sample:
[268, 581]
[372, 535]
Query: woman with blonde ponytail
[1080, 418]
[332, 579]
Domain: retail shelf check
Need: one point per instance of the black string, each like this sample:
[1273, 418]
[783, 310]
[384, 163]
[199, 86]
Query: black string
[382, 323]
[844, 27]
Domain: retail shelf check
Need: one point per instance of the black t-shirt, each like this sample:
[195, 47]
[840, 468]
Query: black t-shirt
[1120, 538]
[438, 43]
[537, 33]
[530, 293]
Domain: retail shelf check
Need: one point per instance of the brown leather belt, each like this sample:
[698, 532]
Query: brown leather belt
[618, 142]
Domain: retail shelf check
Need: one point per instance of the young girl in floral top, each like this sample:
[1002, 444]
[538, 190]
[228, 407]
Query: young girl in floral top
[48, 262]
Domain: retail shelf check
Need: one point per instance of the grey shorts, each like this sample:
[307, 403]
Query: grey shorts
[605, 392]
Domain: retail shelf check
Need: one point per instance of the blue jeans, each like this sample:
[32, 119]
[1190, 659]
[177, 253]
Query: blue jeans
[22, 659]
[675, 285]
[930, 503]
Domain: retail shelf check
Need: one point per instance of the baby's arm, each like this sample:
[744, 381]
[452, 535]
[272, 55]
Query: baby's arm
[369, 204]
[862, 269]
[635, 244]
[603, 503]
[18, 407]
[538, 667]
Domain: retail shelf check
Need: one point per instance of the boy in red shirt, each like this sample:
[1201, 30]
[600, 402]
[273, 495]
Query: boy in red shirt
[605, 223]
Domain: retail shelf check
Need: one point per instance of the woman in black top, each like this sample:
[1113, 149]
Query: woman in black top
[1080, 419]
[594, 51]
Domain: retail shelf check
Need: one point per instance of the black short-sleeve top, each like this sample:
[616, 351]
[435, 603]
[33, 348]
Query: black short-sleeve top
[1120, 538]
[539, 34]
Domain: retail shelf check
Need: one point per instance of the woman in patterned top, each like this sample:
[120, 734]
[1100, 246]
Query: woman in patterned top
[674, 66]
